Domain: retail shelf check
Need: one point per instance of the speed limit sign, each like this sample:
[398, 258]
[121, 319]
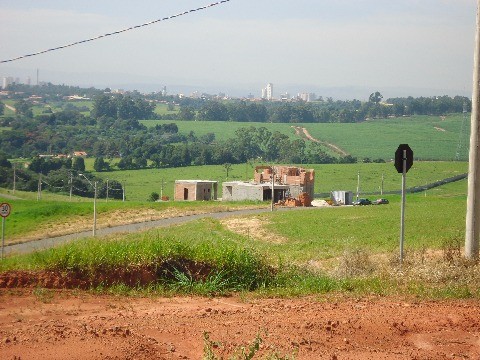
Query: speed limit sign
[5, 209]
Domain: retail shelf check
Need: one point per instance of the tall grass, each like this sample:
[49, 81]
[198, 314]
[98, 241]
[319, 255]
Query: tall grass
[200, 264]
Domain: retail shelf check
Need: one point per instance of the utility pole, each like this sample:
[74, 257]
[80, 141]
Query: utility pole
[71, 185]
[95, 209]
[39, 187]
[358, 185]
[14, 176]
[273, 189]
[107, 191]
[381, 189]
[473, 200]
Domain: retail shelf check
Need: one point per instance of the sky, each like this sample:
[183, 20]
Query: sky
[334, 48]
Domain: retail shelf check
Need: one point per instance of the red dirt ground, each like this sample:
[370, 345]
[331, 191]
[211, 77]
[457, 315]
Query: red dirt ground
[73, 324]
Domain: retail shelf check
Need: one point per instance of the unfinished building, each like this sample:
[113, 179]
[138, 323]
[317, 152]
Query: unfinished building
[289, 182]
[195, 190]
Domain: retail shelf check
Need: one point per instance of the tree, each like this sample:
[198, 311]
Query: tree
[375, 97]
[78, 164]
[186, 113]
[22, 107]
[100, 164]
[104, 105]
[227, 167]
[213, 111]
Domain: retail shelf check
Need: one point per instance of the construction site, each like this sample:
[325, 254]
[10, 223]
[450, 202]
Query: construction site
[290, 186]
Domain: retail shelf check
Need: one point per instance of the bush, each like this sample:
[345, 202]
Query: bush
[153, 197]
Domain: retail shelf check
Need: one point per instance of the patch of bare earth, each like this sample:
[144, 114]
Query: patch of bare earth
[303, 133]
[439, 129]
[253, 227]
[75, 325]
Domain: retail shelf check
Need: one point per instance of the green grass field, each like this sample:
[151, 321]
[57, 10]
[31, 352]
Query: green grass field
[318, 251]
[141, 183]
[430, 137]
[222, 130]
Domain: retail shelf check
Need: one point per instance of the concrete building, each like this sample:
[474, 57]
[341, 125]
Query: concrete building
[342, 197]
[267, 92]
[195, 190]
[289, 182]
[7, 81]
[240, 190]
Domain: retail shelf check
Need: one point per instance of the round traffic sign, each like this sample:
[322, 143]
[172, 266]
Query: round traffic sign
[5, 209]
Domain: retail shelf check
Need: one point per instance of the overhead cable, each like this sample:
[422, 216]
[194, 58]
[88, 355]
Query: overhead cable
[116, 32]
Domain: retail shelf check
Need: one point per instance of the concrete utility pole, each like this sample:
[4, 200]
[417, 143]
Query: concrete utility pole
[273, 187]
[358, 184]
[473, 199]
[14, 176]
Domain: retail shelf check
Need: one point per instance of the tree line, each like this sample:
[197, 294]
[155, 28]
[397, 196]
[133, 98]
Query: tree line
[329, 111]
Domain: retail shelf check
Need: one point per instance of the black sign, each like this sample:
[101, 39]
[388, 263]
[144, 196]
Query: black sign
[399, 158]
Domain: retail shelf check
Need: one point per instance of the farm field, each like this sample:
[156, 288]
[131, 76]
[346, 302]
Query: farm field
[430, 137]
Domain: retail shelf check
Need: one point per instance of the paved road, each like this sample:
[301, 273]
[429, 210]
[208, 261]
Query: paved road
[42, 244]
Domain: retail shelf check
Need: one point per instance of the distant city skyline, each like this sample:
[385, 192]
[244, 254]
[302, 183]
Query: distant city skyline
[340, 49]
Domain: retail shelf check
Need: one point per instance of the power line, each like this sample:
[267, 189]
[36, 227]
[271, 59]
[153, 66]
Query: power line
[116, 32]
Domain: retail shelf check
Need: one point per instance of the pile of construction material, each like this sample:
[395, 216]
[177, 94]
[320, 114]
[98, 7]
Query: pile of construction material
[302, 200]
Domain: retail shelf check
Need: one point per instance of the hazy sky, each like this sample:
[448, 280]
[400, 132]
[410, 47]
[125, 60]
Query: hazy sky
[298, 45]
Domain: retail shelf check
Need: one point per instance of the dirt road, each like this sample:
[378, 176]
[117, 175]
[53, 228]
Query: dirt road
[303, 133]
[40, 324]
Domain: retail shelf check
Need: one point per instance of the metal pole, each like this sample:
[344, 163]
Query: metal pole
[95, 209]
[473, 200]
[107, 191]
[402, 215]
[3, 235]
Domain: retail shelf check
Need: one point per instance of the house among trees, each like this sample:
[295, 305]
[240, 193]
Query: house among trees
[195, 190]
[80, 154]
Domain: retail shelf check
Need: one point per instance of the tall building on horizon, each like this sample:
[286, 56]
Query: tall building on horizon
[267, 92]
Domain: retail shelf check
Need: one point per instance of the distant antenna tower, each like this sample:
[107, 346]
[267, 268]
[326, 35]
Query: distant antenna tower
[461, 145]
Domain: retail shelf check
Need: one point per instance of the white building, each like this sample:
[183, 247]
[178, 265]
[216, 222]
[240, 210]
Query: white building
[7, 81]
[267, 92]
[307, 97]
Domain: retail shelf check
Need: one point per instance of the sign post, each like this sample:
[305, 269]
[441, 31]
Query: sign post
[403, 163]
[5, 209]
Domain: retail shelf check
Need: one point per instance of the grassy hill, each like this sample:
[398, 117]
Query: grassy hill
[430, 137]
